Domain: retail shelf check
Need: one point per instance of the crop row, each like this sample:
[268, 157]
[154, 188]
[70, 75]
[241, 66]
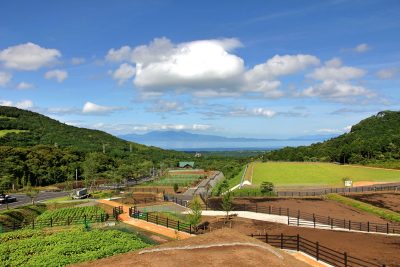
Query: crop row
[70, 213]
[41, 248]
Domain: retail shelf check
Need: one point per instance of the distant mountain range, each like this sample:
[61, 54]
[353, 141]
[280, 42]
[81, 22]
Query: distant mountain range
[186, 139]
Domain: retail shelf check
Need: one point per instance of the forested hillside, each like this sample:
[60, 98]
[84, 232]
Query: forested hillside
[37, 150]
[373, 141]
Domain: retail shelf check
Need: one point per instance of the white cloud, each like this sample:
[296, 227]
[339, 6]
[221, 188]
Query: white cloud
[329, 131]
[333, 70]
[245, 112]
[58, 75]
[387, 73]
[24, 86]
[347, 128]
[92, 108]
[5, 78]
[78, 60]
[24, 104]
[163, 106]
[335, 83]
[206, 68]
[124, 73]
[119, 55]
[361, 48]
[28, 56]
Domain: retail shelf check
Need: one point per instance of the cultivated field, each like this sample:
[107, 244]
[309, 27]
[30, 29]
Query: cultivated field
[290, 174]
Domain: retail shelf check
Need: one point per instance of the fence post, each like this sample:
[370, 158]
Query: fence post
[157, 219]
[317, 251]
[387, 228]
[345, 259]
[368, 225]
[190, 229]
[167, 222]
[281, 241]
[314, 219]
[178, 225]
[51, 221]
[331, 223]
[298, 242]
[298, 217]
[349, 225]
[85, 218]
[147, 216]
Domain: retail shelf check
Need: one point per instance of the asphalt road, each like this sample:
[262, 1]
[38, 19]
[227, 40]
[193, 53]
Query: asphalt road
[23, 200]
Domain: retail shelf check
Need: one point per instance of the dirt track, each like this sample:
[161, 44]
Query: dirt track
[380, 248]
[184, 253]
[318, 206]
[389, 201]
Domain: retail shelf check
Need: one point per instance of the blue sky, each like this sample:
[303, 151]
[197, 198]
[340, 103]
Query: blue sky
[260, 69]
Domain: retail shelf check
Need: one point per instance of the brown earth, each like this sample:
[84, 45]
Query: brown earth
[250, 252]
[373, 247]
[389, 201]
[316, 205]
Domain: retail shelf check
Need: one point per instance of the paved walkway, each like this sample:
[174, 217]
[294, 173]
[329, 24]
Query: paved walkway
[148, 226]
[282, 220]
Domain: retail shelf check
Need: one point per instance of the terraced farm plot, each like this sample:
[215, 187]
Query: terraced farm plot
[294, 174]
[92, 213]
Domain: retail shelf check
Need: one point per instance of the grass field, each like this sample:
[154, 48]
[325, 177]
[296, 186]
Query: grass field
[291, 174]
[180, 179]
[4, 132]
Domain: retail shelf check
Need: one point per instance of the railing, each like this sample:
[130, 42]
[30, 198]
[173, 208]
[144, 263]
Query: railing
[296, 217]
[314, 249]
[160, 220]
[52, 222]
[117, 211]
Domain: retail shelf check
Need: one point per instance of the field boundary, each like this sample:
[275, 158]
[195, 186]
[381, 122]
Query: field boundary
[314, 249]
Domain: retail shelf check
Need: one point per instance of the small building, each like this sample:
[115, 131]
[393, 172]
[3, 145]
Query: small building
[186, 164]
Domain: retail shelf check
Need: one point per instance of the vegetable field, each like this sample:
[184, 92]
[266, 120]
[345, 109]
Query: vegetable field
[44, 248]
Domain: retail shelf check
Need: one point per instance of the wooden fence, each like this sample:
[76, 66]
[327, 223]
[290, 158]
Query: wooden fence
[315, 250]
[52, 222]
[298, 218]
[160, 220]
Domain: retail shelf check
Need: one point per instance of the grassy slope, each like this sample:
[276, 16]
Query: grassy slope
[317, 174]
[4, 132]
[18, 215]
[381, 212]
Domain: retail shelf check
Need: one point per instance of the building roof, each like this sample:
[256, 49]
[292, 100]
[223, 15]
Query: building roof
[185, 163]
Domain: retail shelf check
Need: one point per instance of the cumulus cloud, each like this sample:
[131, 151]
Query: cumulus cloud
[361, 48]
[335, 83]
[28, 56]
[206, 68]
[123, 73]
[24, 104]
[92, 108]
[24, 86]
[78, 60]
[5, 78]
[385, 74]
[245, 112]
[58, 75]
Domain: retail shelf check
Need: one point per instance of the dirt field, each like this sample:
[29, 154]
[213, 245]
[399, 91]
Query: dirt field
[251, 252]
[318, 206]
[389, 201]
[373, 247]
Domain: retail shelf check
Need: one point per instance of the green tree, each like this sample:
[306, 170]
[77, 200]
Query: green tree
[267, 187]
[227, 204]
[195, 214]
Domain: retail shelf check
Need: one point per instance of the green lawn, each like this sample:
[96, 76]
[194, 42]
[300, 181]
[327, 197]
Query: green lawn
[180, 179]
[4, 132]
[318, 174]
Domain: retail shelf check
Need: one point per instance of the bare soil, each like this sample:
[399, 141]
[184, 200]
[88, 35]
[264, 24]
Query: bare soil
[316, 205]
[389, 201]
[382, 249]
[260, 254]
